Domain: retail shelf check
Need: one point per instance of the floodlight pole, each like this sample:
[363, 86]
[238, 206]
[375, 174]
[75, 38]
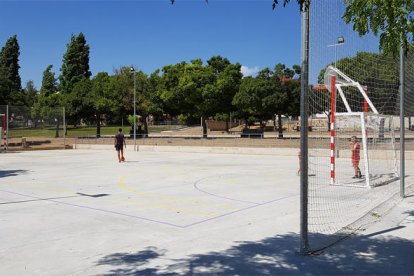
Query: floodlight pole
[64, 128]
[402, 125]
[135, 111]
[7, 127]
[341, 41]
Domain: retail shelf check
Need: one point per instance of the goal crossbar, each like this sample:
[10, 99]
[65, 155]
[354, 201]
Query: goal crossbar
[342, 80]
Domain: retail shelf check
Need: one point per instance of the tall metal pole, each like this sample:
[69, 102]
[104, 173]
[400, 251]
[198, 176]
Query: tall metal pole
[402, 125]
[304, 242]
[64, 129]
[7, 127]
[135, 115]
[341, 41]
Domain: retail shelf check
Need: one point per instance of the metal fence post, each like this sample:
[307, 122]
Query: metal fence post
[7, 127]
[304, 241]
[64, 129]
[402, 125]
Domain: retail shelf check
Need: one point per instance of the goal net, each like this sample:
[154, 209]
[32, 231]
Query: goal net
[372, 159]
[354, 91]
[365, 139]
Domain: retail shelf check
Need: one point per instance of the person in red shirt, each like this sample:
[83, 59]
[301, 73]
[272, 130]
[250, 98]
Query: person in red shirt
[119, 145]
[356, 150]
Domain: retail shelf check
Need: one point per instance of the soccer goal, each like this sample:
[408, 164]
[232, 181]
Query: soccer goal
[372, 159]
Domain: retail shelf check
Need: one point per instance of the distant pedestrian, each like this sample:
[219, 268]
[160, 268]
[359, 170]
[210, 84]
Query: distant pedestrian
[300, 162]
[119, 144]
[356, 150]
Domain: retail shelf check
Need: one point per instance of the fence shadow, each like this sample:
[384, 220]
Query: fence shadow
[8, 173]
[358, 255]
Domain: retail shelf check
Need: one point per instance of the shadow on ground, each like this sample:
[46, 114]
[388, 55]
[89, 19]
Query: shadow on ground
[7, 173]
[275, 256]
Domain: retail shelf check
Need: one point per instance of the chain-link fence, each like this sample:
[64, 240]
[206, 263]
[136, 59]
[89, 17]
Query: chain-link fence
[27, 128]
[354, 162]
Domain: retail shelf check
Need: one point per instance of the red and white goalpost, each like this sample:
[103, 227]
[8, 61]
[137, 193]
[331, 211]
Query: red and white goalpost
[333, 101]
[376, 131]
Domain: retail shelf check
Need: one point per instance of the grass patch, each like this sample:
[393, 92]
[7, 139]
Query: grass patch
[75, 131]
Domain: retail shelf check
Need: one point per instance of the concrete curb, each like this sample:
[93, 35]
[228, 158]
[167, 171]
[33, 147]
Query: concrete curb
[192, 149]
[409, 155]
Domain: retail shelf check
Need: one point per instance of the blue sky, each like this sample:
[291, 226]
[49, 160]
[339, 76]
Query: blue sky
[151, 34]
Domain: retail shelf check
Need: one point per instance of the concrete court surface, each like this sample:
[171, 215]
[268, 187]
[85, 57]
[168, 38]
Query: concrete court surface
[80, 212]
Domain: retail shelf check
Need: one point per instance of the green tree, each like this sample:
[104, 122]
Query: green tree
[30, 93]
[49, 85]
[122, 86]
[10, 82]
[392, 20]
[225, 83]
[191, 87]
[101, 99]
[142, 100]
[75, 64]
[48, 102]
[251, 100]
[79, 102]
[17, 98]
[377, 73]
[270, 93]
[5, 87]
[173, 99]
[286, 100]
[194, 90]
[75, 70]
[157, 107]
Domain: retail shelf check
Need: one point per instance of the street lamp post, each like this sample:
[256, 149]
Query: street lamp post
[135, 111]
[340, 42]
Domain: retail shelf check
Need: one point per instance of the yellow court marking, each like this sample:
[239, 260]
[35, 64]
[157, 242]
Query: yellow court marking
[174, 199]
[42, 186]
[54, 188]
[125, 187]
[163, 206]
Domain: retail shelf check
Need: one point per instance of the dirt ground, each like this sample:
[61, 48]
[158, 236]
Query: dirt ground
[188, 137]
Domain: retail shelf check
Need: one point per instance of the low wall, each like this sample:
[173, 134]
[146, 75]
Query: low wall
[409, 155]
[190, 149]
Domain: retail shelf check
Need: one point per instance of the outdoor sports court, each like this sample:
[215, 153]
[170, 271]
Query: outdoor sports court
[80, 212]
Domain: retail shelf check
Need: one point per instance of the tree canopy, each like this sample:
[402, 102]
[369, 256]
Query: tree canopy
[10, 82]
[75, 63]
[392, 20]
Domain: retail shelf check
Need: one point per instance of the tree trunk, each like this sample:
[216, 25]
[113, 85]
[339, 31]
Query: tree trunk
[204, 124]
[57, 129]
[98, 125]
[145, 134]
[280, 128]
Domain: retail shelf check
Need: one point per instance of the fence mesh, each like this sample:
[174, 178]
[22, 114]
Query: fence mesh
[364, 81]
[3, 128]
[28, 128]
